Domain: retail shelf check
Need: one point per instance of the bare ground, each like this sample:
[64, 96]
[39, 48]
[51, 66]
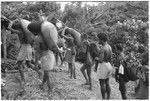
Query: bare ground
[64, 88]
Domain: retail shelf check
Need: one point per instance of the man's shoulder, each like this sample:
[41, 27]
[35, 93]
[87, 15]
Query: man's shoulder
[107, 47]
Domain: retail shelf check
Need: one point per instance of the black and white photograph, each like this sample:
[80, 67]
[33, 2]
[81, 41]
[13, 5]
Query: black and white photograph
[74, 50]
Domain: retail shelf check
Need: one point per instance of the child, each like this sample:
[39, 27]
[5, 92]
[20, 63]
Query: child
[70, 56]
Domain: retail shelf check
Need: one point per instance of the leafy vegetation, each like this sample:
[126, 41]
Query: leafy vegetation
[125, 23]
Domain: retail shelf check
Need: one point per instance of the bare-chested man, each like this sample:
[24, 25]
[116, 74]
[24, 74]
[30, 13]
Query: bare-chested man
[104, 67]
[25, 53]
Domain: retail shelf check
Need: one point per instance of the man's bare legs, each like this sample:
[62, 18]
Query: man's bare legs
[105, 88]
[89, 76]
[72, 70]
[20, 68]
[83, 68]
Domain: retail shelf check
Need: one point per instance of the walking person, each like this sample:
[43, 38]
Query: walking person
[47, 42]
[47, 59]
[87, 64]
[37, 55]
[120, 73]
[104, 69]
[25, 53]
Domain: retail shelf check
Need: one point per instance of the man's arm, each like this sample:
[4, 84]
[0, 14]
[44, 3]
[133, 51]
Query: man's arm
[40, 17]
[96, 65]
[13, 30]
[100, 57]
[63, 33]
[73, 51]
[68, 37]
[65, 48]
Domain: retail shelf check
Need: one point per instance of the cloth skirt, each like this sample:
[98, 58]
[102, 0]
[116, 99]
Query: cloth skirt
[104, 70]
[47, 60]
[25, 52]
[69, 57]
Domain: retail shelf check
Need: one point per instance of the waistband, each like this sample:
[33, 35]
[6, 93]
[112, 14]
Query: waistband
[25, 44]
[104, 62]
[47, 52]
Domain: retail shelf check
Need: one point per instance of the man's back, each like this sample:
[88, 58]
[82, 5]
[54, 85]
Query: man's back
[22, 38]
[107, 53]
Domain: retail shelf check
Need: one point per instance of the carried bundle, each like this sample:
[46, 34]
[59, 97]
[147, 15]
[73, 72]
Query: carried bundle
[48, 32]
[50, 35]
[22, 24]
[76, 35]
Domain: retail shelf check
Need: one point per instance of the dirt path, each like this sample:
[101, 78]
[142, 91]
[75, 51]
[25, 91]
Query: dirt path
[64, 87]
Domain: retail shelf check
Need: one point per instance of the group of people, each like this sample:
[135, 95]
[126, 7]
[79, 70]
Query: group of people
[37, 54]
[45, 57]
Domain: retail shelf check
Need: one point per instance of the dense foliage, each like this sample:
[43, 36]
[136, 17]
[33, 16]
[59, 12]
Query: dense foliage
[124, 22]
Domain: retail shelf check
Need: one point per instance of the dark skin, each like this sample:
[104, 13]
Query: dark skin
[119, 78]
[61, 55]
[72, 64]
[46, 77]
[41, 47]
[87, 67]
[18, 31]
[88, 76]
[104, 83]
[22, 39]
[57, 55]
[71, 45]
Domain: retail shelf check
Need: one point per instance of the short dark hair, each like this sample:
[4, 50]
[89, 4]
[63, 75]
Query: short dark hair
[102, 36]
[34, 27]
